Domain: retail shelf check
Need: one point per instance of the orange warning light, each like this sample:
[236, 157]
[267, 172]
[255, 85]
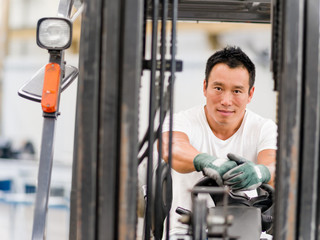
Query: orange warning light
[50, 91]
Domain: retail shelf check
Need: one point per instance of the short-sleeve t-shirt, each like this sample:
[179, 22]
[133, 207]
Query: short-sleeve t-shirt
[254, 135]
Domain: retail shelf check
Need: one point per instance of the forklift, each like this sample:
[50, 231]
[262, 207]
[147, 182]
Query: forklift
[107, 151]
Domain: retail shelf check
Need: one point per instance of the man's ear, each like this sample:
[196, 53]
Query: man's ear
[251, 94]
[204, 88]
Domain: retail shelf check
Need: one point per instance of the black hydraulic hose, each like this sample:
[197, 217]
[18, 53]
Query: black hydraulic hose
[171, 83]
[145, 139]
[151, 114]
[166, 96]
[145, 153]
[158, 214]
[144, 33]
[156, 133]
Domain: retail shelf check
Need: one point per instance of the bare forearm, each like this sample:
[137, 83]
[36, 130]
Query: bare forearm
[182, 158]
[183, 152]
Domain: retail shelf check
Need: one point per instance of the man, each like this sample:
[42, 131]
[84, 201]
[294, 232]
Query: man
[215, 139]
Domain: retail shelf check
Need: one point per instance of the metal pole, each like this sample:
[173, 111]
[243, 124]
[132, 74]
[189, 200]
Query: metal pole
[310, 114]
[46, 158]
[171, 84]
[130, 76]
[44, 179]
[151, 117]
[289, 115]
[158, 232]
[64, 8]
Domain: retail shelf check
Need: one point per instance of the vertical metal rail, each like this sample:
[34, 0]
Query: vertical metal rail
[109, 123]
[161, 102]
[84, 181]
[171, 83]
[144, 32]
[297, 176]
[104, 179]
[276, 39]
[289, 116]
[130, 75]
[158, 231]
[309, 168]
[154, 41]
[44, 179]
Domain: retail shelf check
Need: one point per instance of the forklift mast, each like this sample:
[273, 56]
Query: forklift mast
[112, 60]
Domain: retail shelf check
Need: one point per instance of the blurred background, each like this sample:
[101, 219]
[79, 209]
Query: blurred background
[21, 124]
[21, 119]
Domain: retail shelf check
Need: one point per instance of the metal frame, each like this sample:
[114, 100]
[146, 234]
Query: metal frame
[255, 11]
[130, 75]
[105, 163]
[297, 75]
[106, 135]
[162, 104]
[309, 168]
[84, 190]
[290, 87]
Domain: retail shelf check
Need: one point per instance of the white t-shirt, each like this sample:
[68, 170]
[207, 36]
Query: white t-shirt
[254, 135]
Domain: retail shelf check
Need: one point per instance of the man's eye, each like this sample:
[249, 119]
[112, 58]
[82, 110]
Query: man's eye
[237, 91]
[218, 88]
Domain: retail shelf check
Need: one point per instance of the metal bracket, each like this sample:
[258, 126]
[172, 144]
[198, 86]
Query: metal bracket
[32, 89]
[179, 65]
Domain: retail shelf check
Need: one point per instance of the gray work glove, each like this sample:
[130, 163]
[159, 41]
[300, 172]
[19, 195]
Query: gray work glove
[213, 167]
[246, 176]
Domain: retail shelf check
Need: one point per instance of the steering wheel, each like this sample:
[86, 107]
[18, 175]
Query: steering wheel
[264, 200]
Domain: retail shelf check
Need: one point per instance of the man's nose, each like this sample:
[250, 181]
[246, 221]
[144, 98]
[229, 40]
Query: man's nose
[226, 99]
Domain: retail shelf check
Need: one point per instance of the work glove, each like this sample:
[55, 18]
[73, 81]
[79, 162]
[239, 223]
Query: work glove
[246, 176]
[213, 167]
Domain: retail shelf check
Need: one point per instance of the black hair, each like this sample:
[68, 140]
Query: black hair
[233, 57]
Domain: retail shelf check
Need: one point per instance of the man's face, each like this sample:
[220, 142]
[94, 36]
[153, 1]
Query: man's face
[227, 95]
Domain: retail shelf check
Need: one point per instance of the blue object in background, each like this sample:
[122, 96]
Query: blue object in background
[5, 185]
[30, 188]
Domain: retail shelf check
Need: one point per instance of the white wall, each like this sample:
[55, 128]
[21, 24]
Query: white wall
[26, 13]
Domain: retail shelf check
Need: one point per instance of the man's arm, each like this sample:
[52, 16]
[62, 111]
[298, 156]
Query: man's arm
[267, 157]
[185, 158]
[183, 152]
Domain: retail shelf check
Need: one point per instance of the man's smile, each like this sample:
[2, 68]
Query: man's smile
[225, 112]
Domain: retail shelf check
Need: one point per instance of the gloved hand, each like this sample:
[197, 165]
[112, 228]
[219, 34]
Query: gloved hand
[213, 167]
[246, 176]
